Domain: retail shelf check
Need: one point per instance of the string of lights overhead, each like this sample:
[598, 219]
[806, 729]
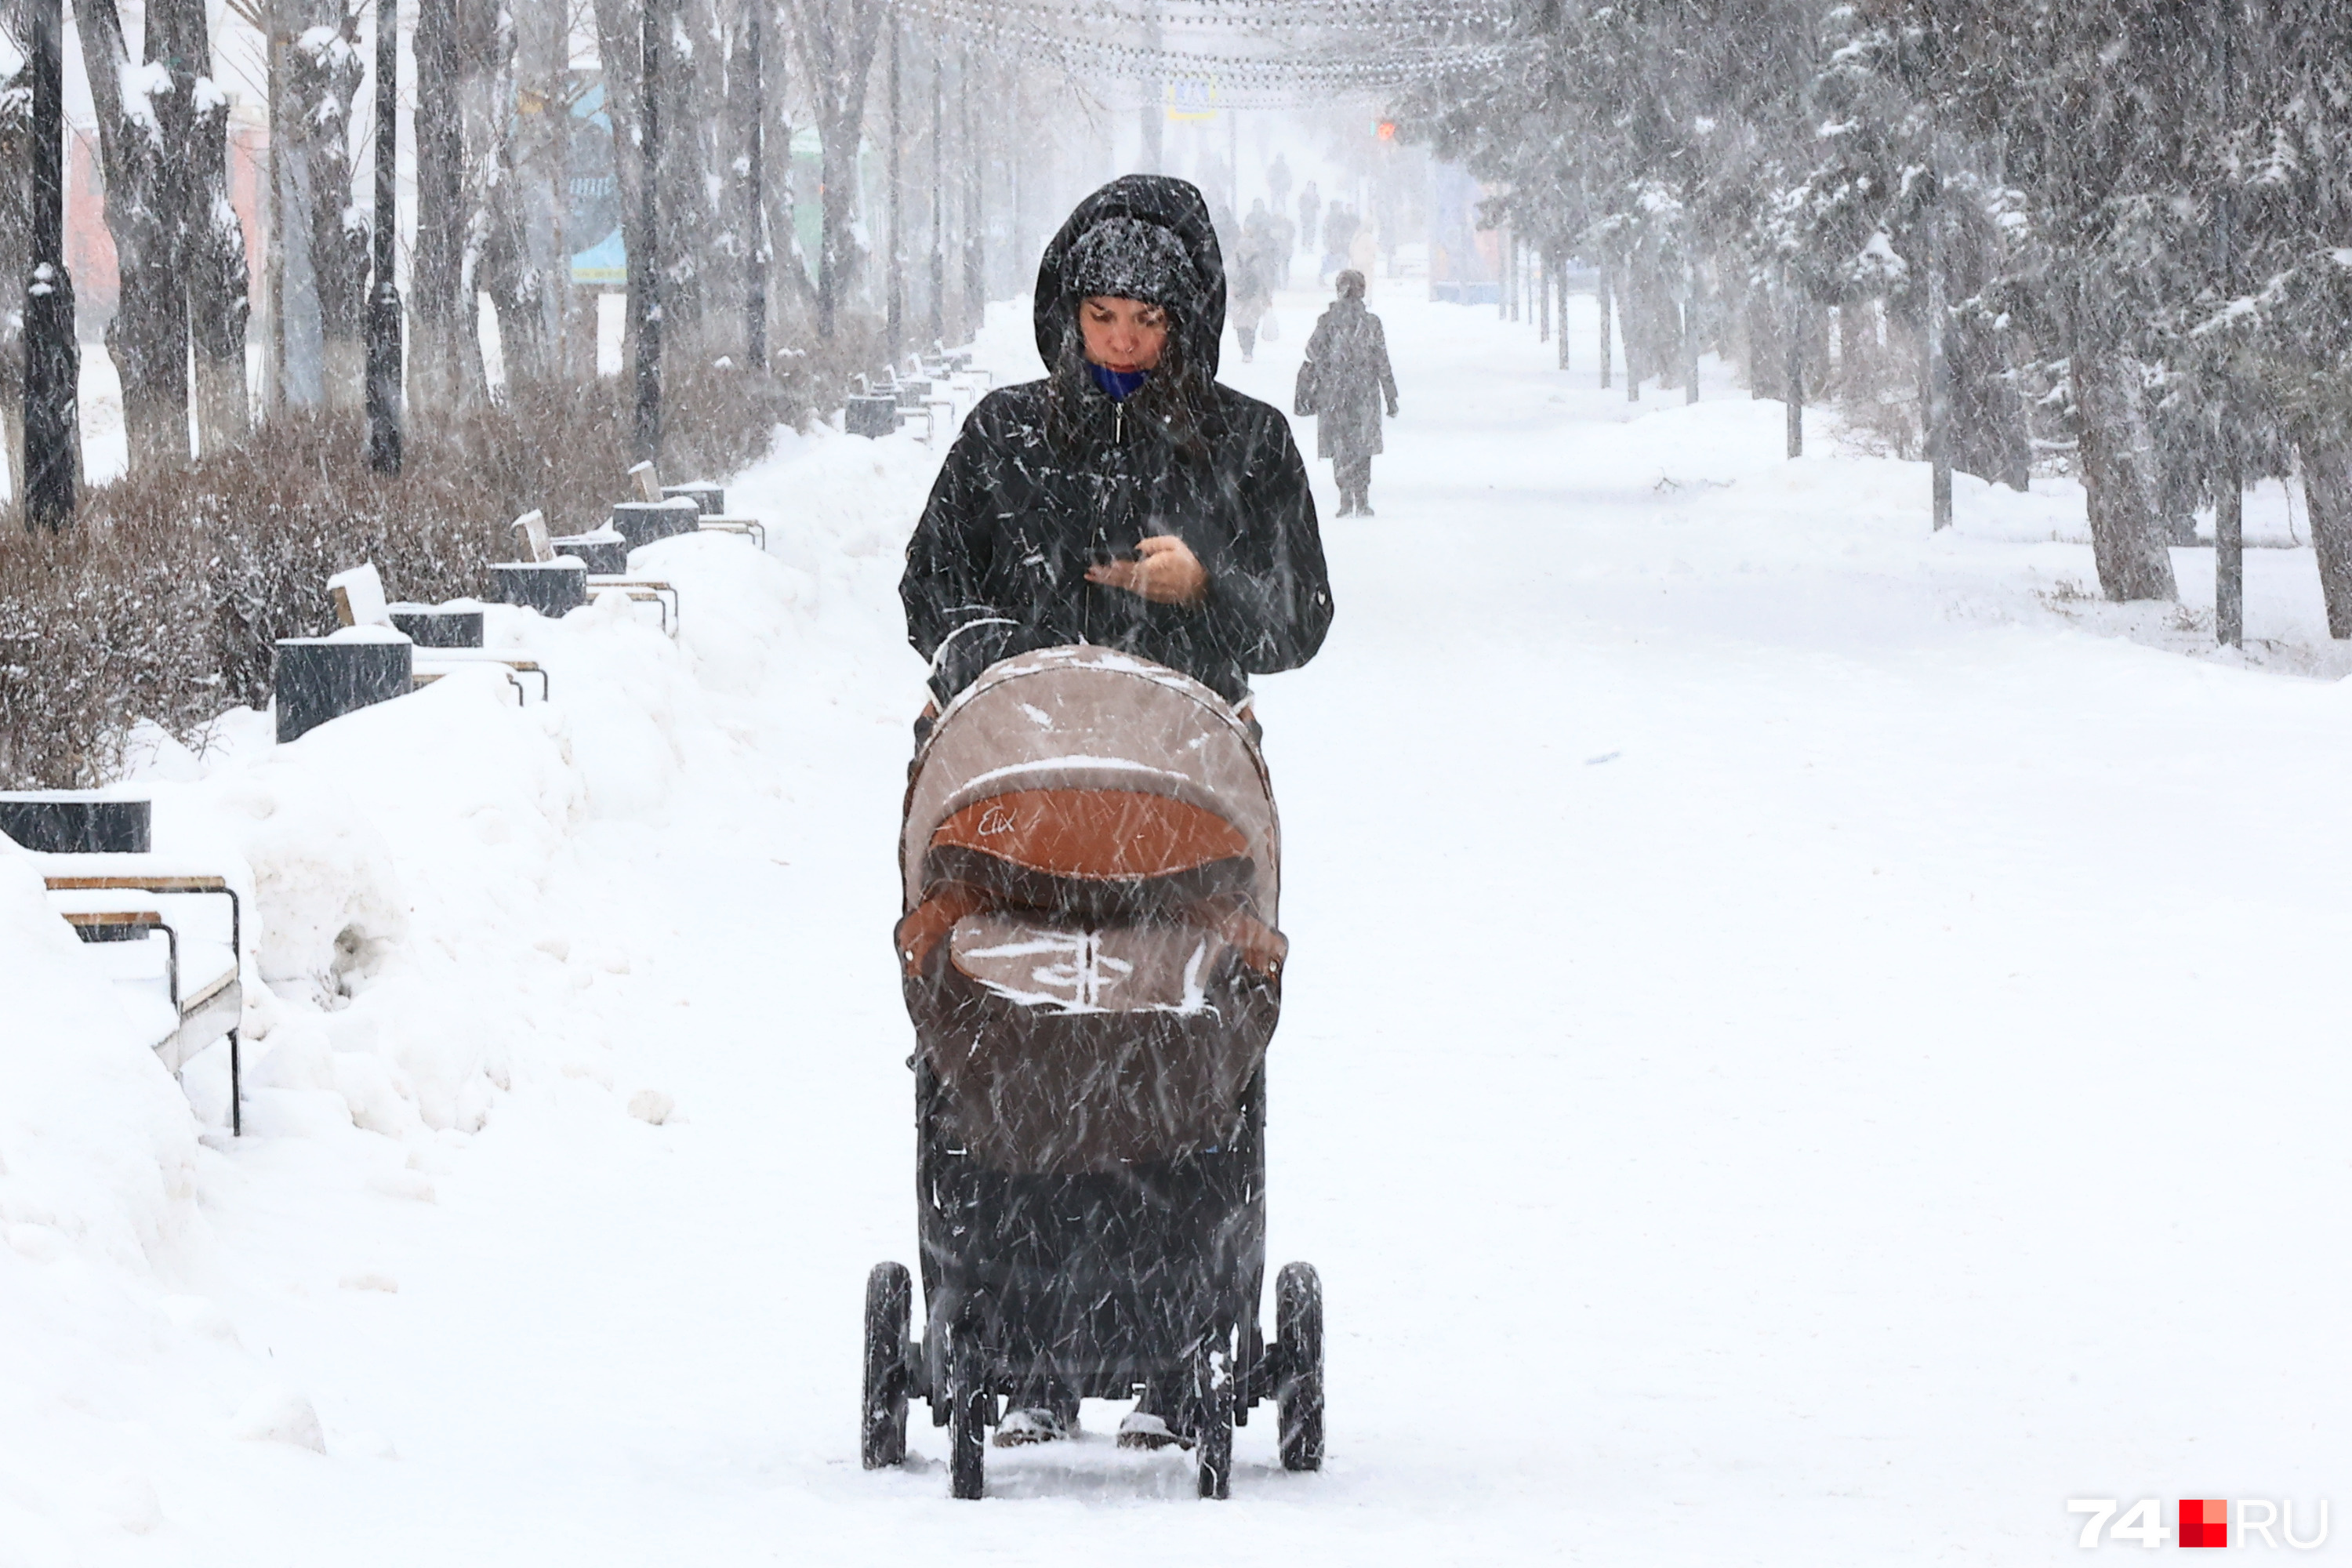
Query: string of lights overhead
[1311, 46]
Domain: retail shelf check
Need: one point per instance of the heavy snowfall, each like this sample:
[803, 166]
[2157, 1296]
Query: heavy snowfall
[1813, 1025]
[1803, 1043]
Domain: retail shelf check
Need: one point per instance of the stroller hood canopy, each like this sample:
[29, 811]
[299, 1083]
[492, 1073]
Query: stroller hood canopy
[1085, 721]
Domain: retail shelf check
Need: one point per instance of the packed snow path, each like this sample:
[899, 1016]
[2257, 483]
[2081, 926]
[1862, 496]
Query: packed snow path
[1792, 1052]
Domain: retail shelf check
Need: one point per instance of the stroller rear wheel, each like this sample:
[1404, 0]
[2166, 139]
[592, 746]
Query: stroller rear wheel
[1299, 1331]
[1212, 1407]
[968, 1413]
[890, 1308]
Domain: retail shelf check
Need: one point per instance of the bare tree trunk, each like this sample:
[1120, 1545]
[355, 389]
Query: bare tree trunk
[791, 292]
[264, 15]
[499, 249]
[445, 356]
[2327, 488]
[325, 73]
[2119, 475]
[617, 49]
[16, 250]
[746, 96]
[146, 199]
[705, 291]
[837, 39]
[1605, 293]
[219, 274]
[542, 158]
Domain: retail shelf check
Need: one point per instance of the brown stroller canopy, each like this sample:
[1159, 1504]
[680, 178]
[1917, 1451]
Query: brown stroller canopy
[1091, 860]
[1085, 763]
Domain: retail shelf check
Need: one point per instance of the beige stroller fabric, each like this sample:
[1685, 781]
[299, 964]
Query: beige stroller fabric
[1072, 1031]
[1050, 721]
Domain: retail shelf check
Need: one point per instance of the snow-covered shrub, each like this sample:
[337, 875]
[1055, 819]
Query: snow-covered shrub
[163, 603]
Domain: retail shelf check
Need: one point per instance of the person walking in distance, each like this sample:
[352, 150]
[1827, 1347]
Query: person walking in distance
[1310, 214]
[1250, 295]
[1258, 262]
[1277, 183]
[1342, 383]
[1339, 227]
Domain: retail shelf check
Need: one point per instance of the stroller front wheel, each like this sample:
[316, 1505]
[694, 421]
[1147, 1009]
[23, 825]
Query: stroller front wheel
[1298, 1339]
[890, 1308]
[968, 1412]
[1213, 1405]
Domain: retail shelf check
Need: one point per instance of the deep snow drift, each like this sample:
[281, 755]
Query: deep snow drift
[1794, 1051]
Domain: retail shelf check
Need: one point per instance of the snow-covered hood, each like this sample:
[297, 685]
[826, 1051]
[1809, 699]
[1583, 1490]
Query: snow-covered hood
[1176, 205]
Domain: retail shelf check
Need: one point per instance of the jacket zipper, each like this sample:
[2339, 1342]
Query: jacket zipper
[1118, 424]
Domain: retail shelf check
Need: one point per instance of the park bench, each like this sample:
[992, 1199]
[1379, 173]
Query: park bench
[538, 544]
[118, 897]
[359, 600]
[715, 518]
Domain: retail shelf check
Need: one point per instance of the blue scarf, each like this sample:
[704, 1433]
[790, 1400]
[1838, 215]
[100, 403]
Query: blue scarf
[1117, 385]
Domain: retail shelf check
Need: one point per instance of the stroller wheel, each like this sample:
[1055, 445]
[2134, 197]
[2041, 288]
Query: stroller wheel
[890, 1308]
[968, 1402]
[1298, 1330]
[1212, 1406]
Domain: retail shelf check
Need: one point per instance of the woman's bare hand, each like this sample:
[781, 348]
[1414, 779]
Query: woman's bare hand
[1168, 573]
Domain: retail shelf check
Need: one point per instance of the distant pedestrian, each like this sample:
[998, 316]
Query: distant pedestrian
[1277, 183]
[1253, 277]
[1339, 227]
[1342, 383]
[1310, 212]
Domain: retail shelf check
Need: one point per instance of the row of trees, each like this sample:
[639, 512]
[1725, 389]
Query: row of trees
[2112, 231]
[504, 147]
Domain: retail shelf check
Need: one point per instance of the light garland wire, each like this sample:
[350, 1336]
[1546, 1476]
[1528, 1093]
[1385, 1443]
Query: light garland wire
[1025, 28]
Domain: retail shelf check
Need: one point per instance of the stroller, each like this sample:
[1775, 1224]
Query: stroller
[1090, 855]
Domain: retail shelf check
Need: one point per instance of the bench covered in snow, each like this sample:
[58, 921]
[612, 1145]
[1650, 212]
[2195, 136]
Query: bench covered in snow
[538, 545]
[359, 599]
[184, 993]
[712, 498]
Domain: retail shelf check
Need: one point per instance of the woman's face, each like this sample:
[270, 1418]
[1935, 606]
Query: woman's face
[1124, 335]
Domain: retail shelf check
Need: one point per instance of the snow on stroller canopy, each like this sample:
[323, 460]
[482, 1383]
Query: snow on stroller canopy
[1092, 718]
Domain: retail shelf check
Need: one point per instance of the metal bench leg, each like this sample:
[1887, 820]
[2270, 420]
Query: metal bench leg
[236, 1087]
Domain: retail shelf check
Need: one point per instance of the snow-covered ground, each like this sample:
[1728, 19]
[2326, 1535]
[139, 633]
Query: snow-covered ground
[1801, 1045]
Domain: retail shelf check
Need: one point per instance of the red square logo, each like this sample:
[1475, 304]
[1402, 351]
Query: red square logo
[2204, 1521]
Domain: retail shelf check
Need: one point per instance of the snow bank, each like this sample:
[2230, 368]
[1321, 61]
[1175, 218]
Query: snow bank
[96, 1149]
[428, 932]
[98, 1220]
[409, 859]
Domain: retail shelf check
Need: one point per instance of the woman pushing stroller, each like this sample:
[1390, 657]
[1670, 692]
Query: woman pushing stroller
[1126, 504]
[1128, 500]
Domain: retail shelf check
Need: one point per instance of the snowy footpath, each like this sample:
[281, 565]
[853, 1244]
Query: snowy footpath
[1805, 1042]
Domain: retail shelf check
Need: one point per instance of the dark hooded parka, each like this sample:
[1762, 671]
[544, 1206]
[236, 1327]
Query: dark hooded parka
[1051, 477]
[1350, 374]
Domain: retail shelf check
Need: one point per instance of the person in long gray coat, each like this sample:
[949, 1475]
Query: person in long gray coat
[1345, 379]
